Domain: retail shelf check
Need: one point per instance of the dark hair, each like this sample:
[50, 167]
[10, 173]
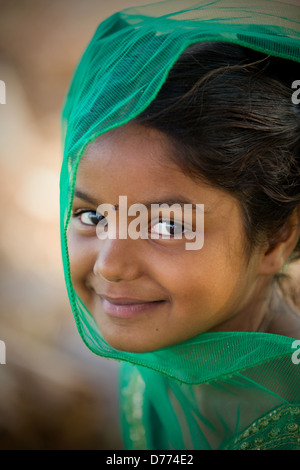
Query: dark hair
[228, 111]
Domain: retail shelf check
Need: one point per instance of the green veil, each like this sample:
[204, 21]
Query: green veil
[227, 390]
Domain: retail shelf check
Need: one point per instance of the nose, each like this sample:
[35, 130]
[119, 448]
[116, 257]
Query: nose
[118, 259]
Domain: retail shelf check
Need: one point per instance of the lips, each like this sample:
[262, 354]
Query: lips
[127, 307]
[127, 300]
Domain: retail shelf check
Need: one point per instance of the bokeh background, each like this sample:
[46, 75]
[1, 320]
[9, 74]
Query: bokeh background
[54, 393]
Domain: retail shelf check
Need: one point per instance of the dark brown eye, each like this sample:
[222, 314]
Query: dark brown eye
[168, 228]
[89, 217]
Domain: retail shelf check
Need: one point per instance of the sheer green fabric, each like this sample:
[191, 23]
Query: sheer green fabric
[231, 390]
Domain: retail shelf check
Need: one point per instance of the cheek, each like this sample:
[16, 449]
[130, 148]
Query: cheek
[208, 283]
[81, 262]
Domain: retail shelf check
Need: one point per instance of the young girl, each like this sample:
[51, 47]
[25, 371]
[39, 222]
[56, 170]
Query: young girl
[190, 106]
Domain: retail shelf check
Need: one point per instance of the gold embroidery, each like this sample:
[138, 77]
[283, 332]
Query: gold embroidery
[279, 429]
[132, 398]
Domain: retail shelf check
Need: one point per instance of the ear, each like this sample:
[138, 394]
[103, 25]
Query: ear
[274, 255]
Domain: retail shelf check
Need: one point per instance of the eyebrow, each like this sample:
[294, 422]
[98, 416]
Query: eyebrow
[85, 197]
[169, 201]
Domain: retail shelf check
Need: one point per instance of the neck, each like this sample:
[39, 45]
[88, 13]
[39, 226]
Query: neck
[283, 317]
[267, 312]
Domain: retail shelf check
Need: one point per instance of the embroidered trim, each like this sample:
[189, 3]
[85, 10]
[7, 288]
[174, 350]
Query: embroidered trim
[277, 430]
[133, 398]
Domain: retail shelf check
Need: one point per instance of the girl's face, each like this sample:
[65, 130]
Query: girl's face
[177, 293]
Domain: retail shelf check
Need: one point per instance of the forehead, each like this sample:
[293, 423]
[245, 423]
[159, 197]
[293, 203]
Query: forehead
[131, 148]
[135, 161]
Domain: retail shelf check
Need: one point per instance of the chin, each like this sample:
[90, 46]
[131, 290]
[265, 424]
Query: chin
[130, 347]
[128, 344]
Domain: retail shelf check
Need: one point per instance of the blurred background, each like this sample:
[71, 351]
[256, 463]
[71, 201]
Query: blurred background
[54, 393]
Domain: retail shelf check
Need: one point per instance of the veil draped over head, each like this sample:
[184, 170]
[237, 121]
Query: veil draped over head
[223, 390]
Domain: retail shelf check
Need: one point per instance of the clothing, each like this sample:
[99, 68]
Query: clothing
[225, 390]
[257, 408]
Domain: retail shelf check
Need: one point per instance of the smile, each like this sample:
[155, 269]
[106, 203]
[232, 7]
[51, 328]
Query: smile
[128, 308]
